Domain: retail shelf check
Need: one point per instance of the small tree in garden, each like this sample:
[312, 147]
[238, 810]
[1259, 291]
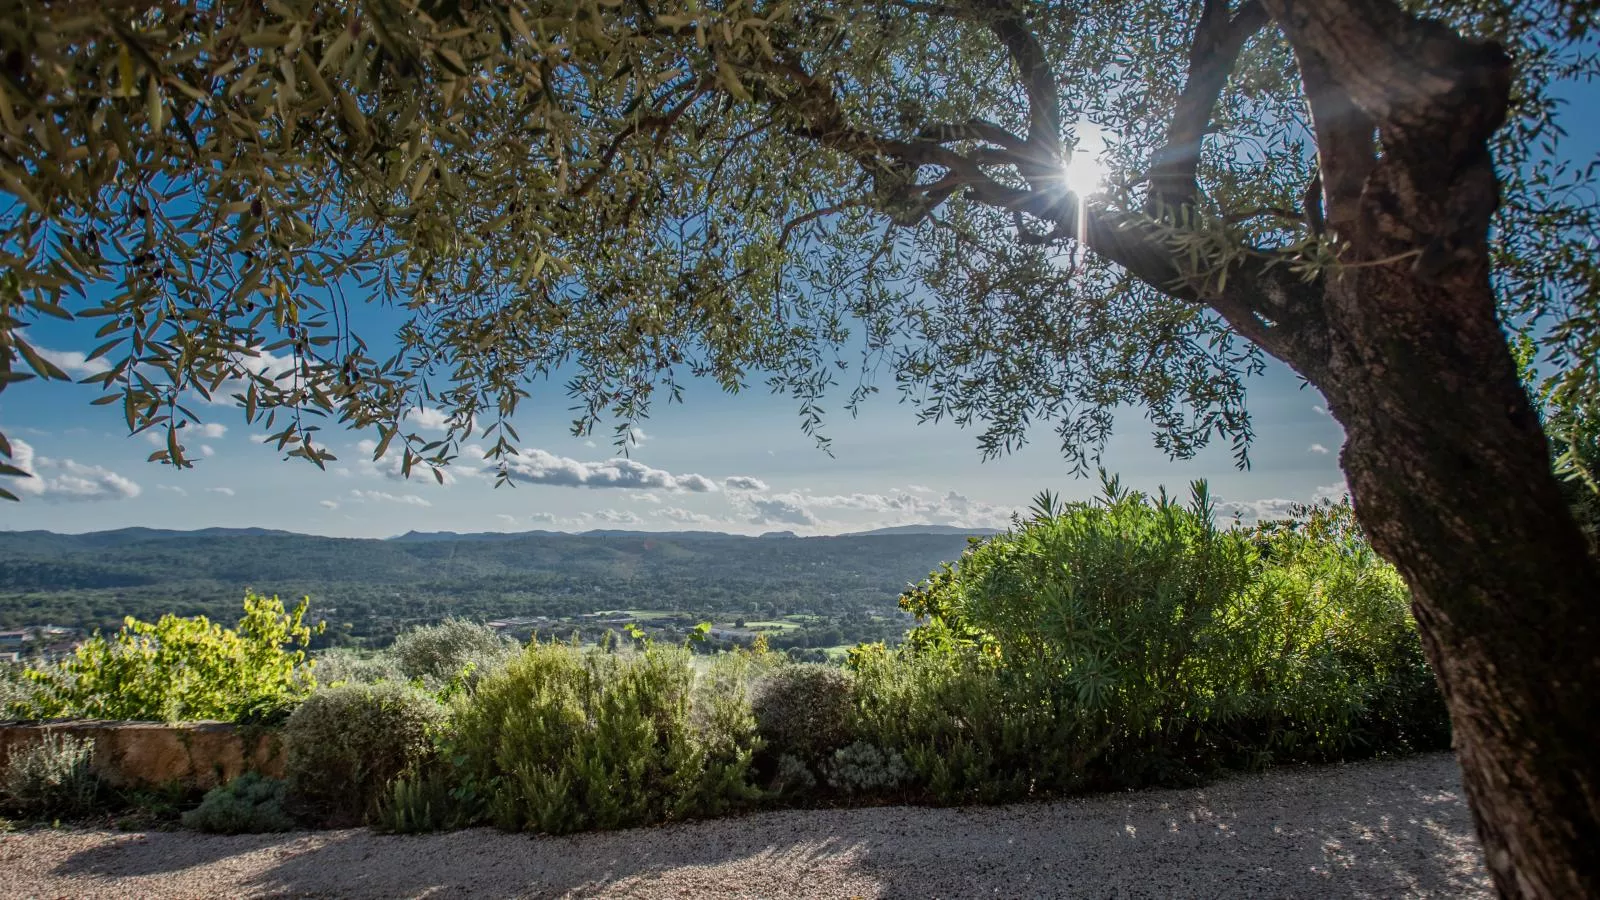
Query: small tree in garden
[179, 669]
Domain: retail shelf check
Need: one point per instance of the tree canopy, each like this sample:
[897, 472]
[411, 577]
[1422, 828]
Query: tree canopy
[630, 193]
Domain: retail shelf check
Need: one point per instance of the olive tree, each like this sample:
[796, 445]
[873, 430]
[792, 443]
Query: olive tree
[630, 193]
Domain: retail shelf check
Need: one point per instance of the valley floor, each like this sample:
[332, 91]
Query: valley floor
[1382, 829]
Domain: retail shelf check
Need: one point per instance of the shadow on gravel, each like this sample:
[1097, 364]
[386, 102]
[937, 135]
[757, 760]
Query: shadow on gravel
[1388, 829]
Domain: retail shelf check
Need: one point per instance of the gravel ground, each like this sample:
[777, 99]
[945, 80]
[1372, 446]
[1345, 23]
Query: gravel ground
[1386, 829]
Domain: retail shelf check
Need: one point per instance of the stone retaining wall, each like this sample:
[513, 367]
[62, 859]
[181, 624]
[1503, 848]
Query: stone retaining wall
[198, 755]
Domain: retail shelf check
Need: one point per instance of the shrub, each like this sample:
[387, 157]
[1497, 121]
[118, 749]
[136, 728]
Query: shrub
[794, 776]
[863, 768]
[572, 739]
[344, 745]
[451, 650]
[969, 729]
[346, 665]
[17, 691]
[181, 669]
[1131, 641]
[425, 802]
[51, 776]
[249, 804]
[804, 710]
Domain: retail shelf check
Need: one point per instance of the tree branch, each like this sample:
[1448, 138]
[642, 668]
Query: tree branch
[1218, 40]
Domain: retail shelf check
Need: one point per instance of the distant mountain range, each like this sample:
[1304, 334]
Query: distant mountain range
[94, 579]
[426, 536]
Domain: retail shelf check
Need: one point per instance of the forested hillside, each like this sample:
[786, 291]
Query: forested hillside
[367, 589]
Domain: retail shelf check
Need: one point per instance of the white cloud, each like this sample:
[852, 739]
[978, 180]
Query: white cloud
[646, 497]
[782, 510]
[360, 496]
[224, 491]
[328, 504]
[898, 508]
[508, 519]
[1316, 448]
[1320, 410]
[64, 480]
[743, 483]
[543, 518]
[1250, 512]
[680, 516]
[541, 467]
[615, 517]
[589, 444]
[428, 419]
[207, 451]
[74, 363]
[181, 492]
[637, 437]
[920, 489]
[208, 429]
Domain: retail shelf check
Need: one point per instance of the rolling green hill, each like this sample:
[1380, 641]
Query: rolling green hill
[367, 589]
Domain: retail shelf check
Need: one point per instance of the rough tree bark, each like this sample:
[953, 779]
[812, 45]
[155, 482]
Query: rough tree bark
[1448, 468]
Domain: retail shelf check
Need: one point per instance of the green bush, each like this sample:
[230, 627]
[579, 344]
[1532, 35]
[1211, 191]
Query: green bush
[862, 768]
[969, 729]
[51, 776]
[181, 669]
[17, 691]
[425, 802]
[451, 650]
[249, 804]
[1131, 641]
[571, 739]
[804, 710]
[344, 745]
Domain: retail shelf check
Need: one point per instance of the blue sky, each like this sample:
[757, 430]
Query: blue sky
[717, 462]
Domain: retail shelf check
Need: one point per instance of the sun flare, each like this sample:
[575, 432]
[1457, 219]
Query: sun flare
[1084, 171]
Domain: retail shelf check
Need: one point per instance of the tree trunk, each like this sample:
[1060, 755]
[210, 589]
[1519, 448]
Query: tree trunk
[1450, 477]
[1448, 467]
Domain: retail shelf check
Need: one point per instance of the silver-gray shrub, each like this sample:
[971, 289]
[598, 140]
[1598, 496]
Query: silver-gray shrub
[439, 654]
[53, 775]
[863, 768]
[346, 665]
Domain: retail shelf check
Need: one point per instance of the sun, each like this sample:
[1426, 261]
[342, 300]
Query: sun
[1084, 172]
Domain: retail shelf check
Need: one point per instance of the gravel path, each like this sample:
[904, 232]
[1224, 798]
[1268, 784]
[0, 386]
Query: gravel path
[1387, 829]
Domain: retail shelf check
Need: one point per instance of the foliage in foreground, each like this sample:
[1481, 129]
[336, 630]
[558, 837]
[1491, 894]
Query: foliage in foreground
[569, 739]
[183, 669]
[344, 745]
[249, 804]
[50, 776]
[1131, 642]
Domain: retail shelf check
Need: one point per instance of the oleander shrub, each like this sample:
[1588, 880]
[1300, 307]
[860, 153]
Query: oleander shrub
[249, 804]
[183, 669]
[804, 710]
[51, 776]
[1131, 641]
[567, 739]
[452, 650]
[344, 745]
